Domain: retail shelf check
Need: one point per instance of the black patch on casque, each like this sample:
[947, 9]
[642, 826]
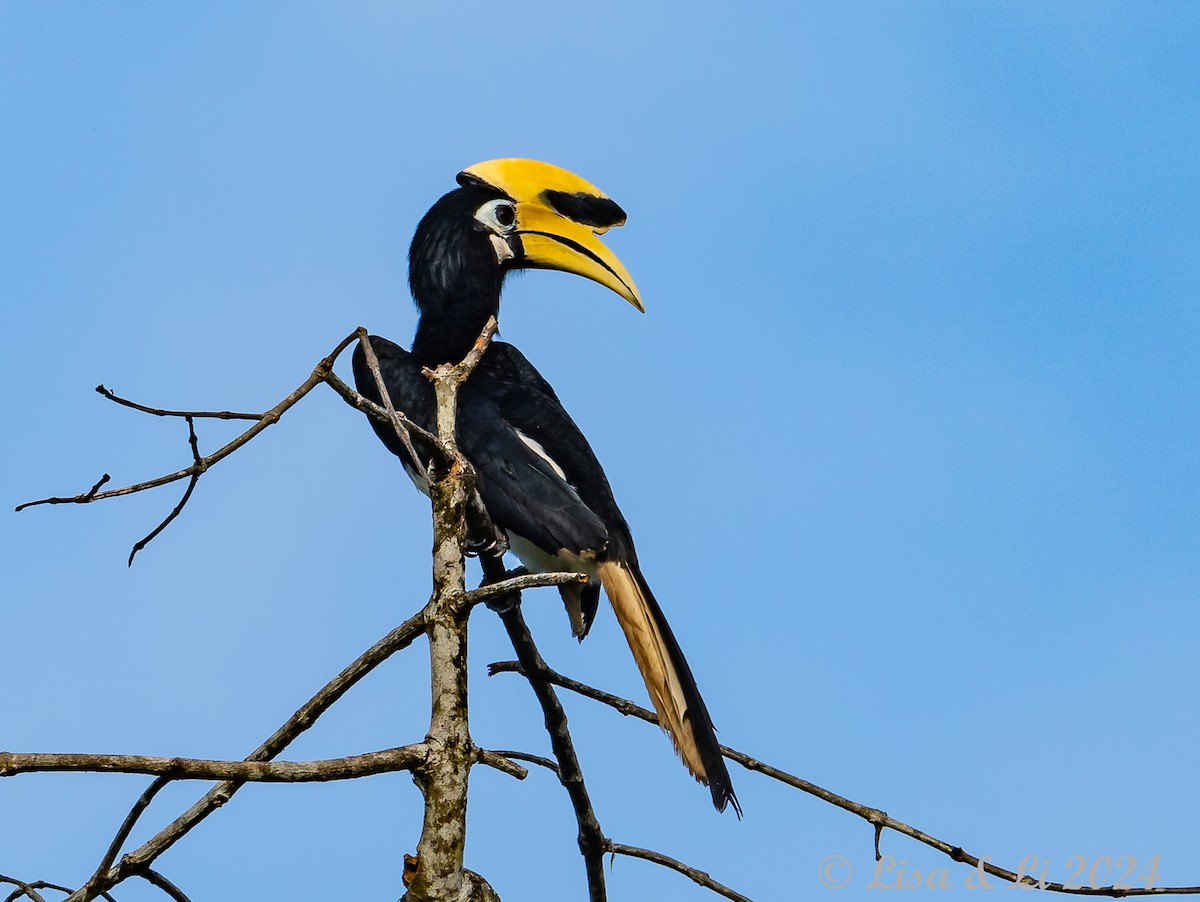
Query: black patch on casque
[586, 209]
[470, 180]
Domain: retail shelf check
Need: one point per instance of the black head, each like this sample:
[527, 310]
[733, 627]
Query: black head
[506, 214]
[452, 258]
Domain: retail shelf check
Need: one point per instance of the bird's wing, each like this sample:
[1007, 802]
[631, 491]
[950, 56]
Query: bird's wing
[522, 490]
[528, 403]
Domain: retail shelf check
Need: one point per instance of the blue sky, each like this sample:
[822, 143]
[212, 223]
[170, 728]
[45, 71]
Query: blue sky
[907, 436]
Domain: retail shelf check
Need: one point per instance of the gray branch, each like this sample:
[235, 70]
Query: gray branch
[408, 757]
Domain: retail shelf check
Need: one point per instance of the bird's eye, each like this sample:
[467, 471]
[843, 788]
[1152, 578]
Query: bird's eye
[499, 215]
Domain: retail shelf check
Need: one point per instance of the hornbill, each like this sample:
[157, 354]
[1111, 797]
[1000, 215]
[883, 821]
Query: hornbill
[536, 473]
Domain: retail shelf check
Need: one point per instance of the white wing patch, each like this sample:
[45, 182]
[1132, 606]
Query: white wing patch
[536, 447]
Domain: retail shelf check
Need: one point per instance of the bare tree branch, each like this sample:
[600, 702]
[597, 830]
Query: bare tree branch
[448, 608]
[501, 762]
[350, 767]
[323, 372]
[590, 837]
[28, 890]
[456, 374]
[268, 418]
[370, 408]
[198, 468]
[141, 858]
[697, 876]
[490, 591]
[154, 877]
[84, 498]
[159, 412]
[532, 759]
[445, 776]
[878, 819]
[118, 842]
[400, 423]
[592, 841]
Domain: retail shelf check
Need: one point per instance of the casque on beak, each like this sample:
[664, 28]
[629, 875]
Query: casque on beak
[559, 217]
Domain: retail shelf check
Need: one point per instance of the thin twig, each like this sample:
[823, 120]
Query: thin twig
[532, 759]
[159, 412]
[489, 591]
[29, 889]
[118, 842]
[460, 371]
[265, 420]
[157, 879]
[22, 889]
[400, 423]
[501, 763]
[376, 411]
[697, 876]
[198, 468]
[484, 533]
[37, 884]
[485, 536]
[84, 498]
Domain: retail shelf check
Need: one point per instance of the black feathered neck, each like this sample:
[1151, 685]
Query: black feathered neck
[454, 276]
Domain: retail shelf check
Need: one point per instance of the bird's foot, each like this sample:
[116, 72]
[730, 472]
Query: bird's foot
[504, 603]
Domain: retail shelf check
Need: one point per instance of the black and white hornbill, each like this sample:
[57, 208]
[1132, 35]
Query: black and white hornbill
[537, 475]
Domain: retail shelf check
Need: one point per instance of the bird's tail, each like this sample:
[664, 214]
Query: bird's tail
[669, 680]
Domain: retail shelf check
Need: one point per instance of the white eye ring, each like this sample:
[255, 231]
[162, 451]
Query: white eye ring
[498, 215]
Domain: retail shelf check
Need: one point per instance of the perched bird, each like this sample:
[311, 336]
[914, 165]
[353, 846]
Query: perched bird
[536, 473]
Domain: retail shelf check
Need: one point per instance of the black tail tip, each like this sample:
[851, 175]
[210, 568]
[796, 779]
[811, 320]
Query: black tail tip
[723, 797]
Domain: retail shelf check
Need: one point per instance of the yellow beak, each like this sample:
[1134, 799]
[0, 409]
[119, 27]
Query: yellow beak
[558, 218]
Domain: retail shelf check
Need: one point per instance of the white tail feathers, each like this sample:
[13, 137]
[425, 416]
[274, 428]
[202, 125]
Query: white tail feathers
[651, 651]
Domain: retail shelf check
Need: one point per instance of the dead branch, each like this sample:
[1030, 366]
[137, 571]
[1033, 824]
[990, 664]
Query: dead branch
[444, 620]
[591, 837]
[159, 412]
[156, 879]
[487, 536]
[201, 465]
[500, 762]
[445, 776]
[29, 890]
[141, 858]
[592, 841]
[118, 841]
[879, 820]
[401, 425]
[350, 767]
[491, 591]
[697, 876]
[198, 468]
[532, 759]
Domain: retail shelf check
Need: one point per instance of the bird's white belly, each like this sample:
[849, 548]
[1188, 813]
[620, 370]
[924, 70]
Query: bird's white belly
[538, 561]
